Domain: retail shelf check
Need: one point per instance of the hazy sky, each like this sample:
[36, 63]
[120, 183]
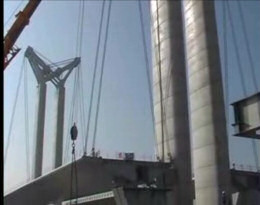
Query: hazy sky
[125, 123]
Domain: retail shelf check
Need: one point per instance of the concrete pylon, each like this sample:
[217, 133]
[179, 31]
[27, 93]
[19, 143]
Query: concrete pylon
[170, 94]
[59, 126]
[41, 71]
[208, 123]
[59, 81]
[43, 74]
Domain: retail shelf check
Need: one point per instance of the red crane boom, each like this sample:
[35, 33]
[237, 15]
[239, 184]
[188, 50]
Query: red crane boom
[23, 18]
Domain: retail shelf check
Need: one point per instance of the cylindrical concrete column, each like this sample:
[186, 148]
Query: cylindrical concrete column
[208, 123]
[40, 131]
[60, 125]
[176, 140]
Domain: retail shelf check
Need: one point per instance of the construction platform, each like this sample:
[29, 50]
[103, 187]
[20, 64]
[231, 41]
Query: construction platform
[121, 182]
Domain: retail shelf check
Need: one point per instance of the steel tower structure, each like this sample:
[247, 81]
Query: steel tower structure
[43, 74]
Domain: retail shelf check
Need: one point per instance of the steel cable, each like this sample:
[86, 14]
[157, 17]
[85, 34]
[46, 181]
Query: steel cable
[94, 77]
[78, 99]
[236, 50]
[70, 122]
[225, 63]
[167, 89]
[147, 69]
[240, 69]
[252, 69]
[13, 113]
[72, 105]
[101, 76]
[6, 22]
[160, 77]
[80, 81]
[75, 102]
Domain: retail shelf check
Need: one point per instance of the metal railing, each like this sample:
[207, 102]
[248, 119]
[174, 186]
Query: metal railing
[243, 167]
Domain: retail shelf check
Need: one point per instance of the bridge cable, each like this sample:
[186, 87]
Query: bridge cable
[225, 65]
[101, 78]
[70, 120]
[60, 63]
[252, 69]
[94, 77]
[76, 95]
[236, 51]
[81, 93]
[13, 113]
[148, 76]
[71, 116]
[18, 6]
[160, 76]
[74, 108]
[79, 99]
[241, 74]
[76, 90]
[45, 58]
[167, 91]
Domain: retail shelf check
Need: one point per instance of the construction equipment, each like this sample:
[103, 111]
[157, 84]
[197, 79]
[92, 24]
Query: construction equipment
[23, 17]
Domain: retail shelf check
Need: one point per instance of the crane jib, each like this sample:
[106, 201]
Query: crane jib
[16, 29]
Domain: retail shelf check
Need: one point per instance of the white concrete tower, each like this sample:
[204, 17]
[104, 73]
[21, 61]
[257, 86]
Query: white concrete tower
[170, 94]
[208, 123]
